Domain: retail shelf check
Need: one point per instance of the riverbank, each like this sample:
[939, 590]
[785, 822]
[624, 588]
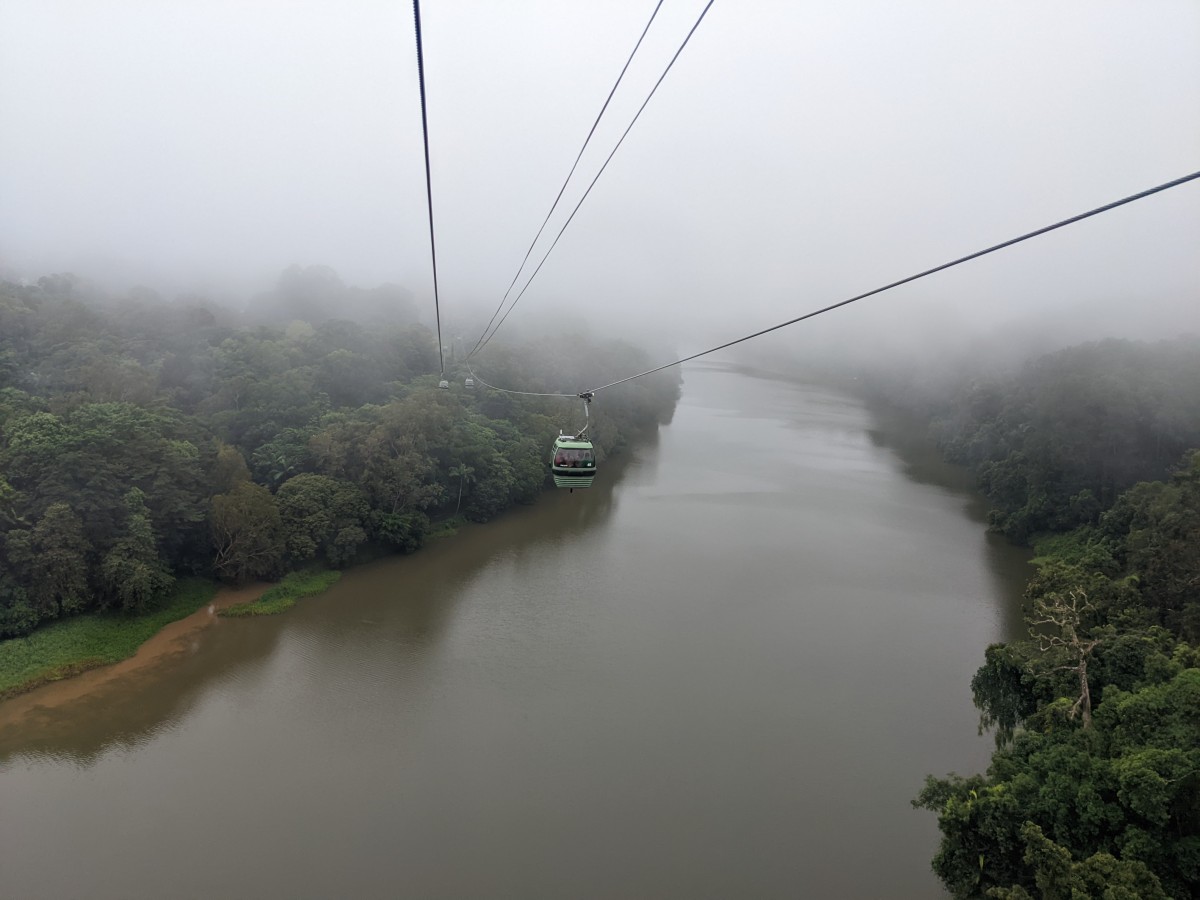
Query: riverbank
[75, 646]
[115, 644]
[105, 646]
[610, 650]
[283, 596]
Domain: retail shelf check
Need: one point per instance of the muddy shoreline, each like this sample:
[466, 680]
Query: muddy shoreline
[170, 641]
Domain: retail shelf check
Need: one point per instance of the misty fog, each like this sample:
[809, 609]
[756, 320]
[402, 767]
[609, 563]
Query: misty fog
[795, 155]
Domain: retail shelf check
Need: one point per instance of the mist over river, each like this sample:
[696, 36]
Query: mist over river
[722, 672]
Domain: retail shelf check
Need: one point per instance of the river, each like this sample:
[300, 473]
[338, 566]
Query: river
[722, 672]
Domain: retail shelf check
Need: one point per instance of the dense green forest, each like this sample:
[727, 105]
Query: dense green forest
[1094, 787]
[144, 440]
[1055, 444]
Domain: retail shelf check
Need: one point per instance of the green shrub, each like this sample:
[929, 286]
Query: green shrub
[285, 594]
[85, 642]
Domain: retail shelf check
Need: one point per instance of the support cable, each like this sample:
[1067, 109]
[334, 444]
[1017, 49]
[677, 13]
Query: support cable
[428, 183]
[887, 287]
[467, 363]
[574, 166]
[487, 337]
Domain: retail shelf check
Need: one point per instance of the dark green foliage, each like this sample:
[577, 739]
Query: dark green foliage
[283, 456]
[1005, 691]
[1059, 877]
[247, 533]
[92, 455]
[1108, 805]
[321, 516]
[1128, 787]
[403, 531]
[17, 615]
[133, 577]
[1056, 444]
[1157, 528]
[94, 639]
[1120, 797]
[1072, 808]
[229, 469]
[141, 440]
[52, 557]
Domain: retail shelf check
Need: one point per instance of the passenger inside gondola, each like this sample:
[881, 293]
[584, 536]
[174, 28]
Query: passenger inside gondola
[566, 458]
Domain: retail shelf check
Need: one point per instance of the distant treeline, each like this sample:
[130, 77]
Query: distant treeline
[1055, 443]
[141, 440]
[1094, 789]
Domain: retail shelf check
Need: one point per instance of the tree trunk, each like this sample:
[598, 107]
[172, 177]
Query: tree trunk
[1085, 693]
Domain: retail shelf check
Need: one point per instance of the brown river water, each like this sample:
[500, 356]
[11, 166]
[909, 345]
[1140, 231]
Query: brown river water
[722, 672]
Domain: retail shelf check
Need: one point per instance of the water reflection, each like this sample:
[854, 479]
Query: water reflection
[908, 440]
[126, 713]
[728, 666]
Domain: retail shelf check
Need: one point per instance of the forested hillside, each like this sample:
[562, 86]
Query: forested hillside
[1056, 443]
[1094, 789]
[142, 440]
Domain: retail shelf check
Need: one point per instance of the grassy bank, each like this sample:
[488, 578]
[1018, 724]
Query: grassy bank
[285, 594]
[445, 528]
[86, 642]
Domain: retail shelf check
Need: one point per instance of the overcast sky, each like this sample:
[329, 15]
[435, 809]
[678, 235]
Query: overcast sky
[797, 153]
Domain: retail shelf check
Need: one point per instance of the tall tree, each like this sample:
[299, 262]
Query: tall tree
[55, 557]
[322, 516]
[464, 475]
[1056, 623]
[229, 469]
[132, 574]
[247, 533]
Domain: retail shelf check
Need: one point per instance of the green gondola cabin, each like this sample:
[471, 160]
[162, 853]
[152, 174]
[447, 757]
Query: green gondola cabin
[573, 462]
